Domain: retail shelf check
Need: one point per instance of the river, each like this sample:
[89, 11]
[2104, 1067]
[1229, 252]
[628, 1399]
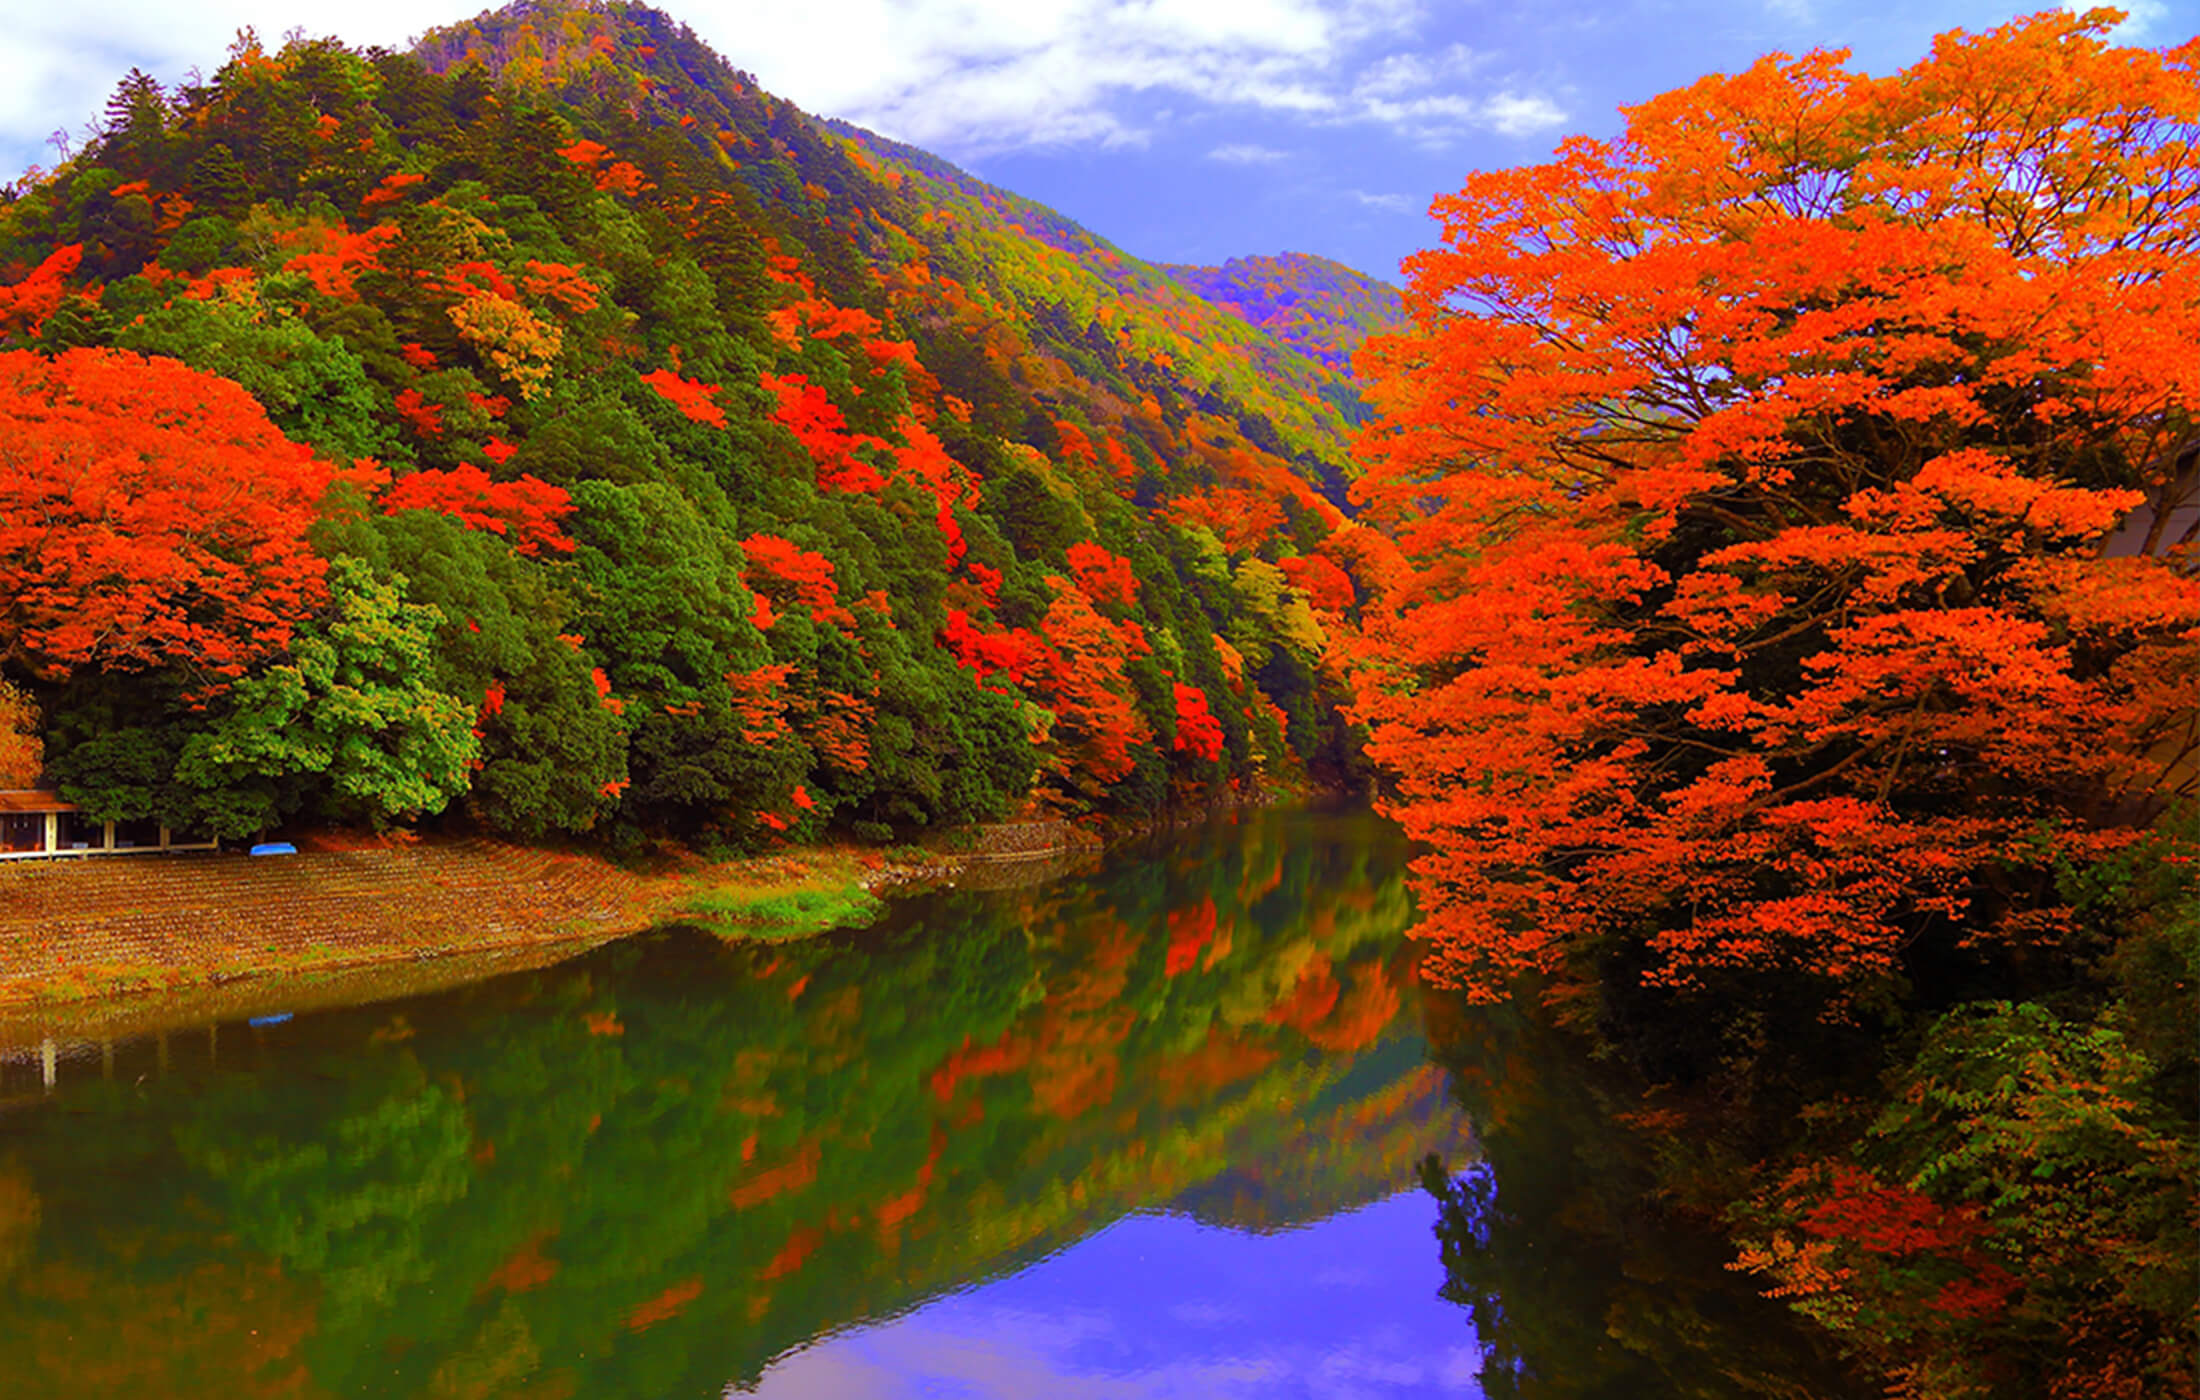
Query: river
[1161, 1128]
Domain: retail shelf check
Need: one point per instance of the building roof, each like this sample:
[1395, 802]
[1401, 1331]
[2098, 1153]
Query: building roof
[34, 800]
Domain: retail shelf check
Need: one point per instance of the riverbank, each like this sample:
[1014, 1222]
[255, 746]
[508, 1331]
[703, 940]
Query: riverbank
[76, 930]
[347, 907]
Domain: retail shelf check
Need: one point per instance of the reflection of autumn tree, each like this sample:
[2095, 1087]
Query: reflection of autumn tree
[108, 1293]
[354, 1208]
[1578, 1279]
[1291, 1172]
[2018, 1219]
[653, 1169]
[1361, 1013]
[19, 1214]
[220, 1325]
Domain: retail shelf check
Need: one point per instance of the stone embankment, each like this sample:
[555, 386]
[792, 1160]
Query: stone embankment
[1032, 840]
[91, 927]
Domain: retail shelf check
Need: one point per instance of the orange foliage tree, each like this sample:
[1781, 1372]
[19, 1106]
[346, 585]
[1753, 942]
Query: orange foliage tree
[783, 572]
[26, 305]
[1106, 578]
[806, 412]
[1096, 718]
[1198, 732]
[527, 512]
[150, 515]
[1326, 586]
[694, 401]
[1794, 564]
[22, 751]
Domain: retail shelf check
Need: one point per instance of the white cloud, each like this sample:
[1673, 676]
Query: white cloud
[962, 76]
[1389, 203]
[1437, 119]
[2140, 16]
[1245, 154]
[1423, 96]
[1398, 74]
[1517, 114]
[986, 74]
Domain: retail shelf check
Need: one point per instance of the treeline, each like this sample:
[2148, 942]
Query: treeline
[1319, 307]
[550, 426]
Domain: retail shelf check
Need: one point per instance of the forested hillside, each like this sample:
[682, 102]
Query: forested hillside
[550, 426]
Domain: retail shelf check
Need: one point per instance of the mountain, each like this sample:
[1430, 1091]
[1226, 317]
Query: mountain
[551, 427]
[1320, 308]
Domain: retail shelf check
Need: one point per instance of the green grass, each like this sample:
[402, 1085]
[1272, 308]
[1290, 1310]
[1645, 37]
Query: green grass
[781, 911]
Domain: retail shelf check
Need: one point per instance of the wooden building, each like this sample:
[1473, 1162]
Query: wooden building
[36, 823]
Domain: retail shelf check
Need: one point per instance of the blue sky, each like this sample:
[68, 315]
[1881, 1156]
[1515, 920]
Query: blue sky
[1183, 130]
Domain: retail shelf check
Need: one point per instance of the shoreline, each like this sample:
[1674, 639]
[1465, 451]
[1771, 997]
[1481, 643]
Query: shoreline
[140, 927]
[93, 942]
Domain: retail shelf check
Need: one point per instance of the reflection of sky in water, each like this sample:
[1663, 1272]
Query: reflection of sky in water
[1162, 1306]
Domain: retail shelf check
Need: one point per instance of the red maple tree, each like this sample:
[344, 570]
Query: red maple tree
[1785, 494]
[527, 512]
[150, 515]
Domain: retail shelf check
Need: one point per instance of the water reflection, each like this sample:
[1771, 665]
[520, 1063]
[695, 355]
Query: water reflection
[1162, 1306]
[1147, 1131]
[653, 1169]
[1581, 1273]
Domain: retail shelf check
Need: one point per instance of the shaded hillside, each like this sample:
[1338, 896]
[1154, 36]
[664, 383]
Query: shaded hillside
[679, 464]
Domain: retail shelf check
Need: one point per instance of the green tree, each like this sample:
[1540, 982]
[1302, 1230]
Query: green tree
[353, 707]
[553, 753]
[315, 390]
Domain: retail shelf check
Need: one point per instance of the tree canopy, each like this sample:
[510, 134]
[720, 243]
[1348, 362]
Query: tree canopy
[1787, 641]
[1752, 473]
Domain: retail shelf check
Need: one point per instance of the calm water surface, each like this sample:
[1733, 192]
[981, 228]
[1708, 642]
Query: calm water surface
[1154, 1130]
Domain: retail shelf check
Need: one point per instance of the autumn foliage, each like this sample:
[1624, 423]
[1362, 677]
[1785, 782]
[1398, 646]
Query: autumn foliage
[1106, 578]
[793, 576]
[1197, 731]
[667, 425]
[1785, 491]
[525, 511]
[22, 755]
[806, 411]
[28, 303]
[1097, 721]
[149, 515]
[696, 402]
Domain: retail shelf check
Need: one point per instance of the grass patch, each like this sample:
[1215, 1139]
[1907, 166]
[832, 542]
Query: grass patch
[778, 910]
